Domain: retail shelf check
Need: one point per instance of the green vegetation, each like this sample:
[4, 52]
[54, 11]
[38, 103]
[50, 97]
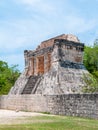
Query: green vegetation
[8, 76]
[91, 83]
[53, 123]
[91, 64]
[91, 59]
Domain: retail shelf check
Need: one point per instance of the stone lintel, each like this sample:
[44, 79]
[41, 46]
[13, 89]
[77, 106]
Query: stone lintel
[68, 64]
[41, 51]
[60, 42]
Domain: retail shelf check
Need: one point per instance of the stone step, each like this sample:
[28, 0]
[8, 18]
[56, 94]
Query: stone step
[30, 84]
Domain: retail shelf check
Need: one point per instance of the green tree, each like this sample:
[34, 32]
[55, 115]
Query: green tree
[8, 76]
[90, 83]
[96, 42]
[91, 63]
[91, 59]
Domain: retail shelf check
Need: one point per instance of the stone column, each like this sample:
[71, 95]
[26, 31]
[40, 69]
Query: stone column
[45, 62]
[35, 65]
[31, 71]
[55, 56]
[49, 61]
[26, 59]
[40, 65]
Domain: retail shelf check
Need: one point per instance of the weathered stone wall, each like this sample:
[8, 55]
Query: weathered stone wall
[69, 51]
[29, 102]
[84, 105]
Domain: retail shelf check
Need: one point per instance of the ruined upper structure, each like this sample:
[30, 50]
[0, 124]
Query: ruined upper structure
[68, 48]
[55, 67]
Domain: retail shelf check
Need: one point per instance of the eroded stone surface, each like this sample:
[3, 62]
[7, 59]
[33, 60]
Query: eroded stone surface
[63, 80]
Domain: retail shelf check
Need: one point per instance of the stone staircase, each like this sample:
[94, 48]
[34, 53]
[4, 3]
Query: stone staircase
[36, 85]
[31, 84]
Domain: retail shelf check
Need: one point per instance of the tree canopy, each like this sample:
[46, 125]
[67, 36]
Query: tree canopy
[91, 64]
[91, 59]
[8, 76]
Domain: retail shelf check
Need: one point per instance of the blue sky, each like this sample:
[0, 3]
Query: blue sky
[25, 23]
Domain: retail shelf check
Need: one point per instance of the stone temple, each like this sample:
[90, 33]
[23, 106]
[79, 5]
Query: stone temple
[52, 81]
[54, 68]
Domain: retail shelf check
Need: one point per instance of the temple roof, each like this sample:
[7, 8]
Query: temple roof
[50, 42]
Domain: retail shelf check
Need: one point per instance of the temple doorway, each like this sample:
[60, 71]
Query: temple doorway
[40, 65]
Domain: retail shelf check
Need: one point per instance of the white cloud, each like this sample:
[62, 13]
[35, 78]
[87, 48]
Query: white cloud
[16, 34]
[79, 24]
[41, 6]
[29, 2]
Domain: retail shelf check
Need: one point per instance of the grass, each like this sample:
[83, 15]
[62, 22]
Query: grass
[53, 123]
